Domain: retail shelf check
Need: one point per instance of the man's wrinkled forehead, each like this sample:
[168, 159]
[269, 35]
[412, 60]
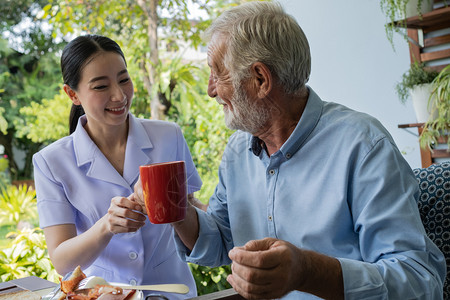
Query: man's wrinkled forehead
[216, 52]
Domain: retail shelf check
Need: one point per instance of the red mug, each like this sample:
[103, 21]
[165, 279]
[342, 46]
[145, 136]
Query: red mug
[165, 191]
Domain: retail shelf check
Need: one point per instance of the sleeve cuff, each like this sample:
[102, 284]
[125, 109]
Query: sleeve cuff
[203, 253]
[362, 280]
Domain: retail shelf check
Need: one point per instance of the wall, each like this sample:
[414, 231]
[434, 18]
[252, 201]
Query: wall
[354, 64]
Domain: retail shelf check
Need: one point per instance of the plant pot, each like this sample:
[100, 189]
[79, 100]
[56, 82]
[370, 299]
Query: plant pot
[411, 7]
[420, 95]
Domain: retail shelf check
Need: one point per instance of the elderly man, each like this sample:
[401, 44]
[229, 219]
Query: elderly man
[314, 199]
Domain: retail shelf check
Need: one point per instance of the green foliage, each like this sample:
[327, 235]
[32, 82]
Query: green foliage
[131, 28]
[17, 204]
[47, 121]
[26, 76]
[26, 256]
[131, 31]
[416, 75]
[4, 172]
[209, 280]
[4, 230]
[134, 32]
[3, 164]
[25, 251]
[204, 129]
[3, 122]
[440, 126]
[29, 71]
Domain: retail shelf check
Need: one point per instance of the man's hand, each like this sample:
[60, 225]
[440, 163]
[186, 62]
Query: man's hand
[271, 268]
[195, 202]
[265, 269]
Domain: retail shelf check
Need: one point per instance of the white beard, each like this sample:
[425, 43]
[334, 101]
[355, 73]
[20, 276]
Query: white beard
[248, 115]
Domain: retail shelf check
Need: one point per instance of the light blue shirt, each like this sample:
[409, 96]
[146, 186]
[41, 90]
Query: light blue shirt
[75, 184]
[338, 186]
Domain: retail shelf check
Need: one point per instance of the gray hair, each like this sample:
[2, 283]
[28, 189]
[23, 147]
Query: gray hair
[263, 32]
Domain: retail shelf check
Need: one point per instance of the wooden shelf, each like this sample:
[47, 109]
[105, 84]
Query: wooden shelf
[429, 25]
[434, 20]
[410, 125]
[432, 48]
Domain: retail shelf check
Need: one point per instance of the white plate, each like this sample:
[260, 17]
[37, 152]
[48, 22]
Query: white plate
[139, 295]
[94, 280]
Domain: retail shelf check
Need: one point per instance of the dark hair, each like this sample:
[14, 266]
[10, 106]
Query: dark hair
[74, 58]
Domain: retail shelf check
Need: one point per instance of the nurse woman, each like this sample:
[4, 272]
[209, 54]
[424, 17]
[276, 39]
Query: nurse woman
[84, 182]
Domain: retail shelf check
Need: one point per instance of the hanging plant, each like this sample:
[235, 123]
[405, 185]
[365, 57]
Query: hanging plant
[396, 14]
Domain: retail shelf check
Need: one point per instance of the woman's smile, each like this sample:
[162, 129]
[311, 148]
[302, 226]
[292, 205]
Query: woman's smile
[117, 110]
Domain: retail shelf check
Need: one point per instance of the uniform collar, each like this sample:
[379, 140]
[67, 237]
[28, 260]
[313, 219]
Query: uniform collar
[97, 166]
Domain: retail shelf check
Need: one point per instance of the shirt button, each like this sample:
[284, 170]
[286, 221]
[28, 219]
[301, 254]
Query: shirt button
[288, 155]
[132, 255]
[270, 218]
[133, 282]
[271, 172]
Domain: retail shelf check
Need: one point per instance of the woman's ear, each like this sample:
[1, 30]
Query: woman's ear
[262, 78]
[72, 94]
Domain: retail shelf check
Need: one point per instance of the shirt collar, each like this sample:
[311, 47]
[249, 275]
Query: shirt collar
[137, 134]
[137, 153]
[305, 126]
[84, 147]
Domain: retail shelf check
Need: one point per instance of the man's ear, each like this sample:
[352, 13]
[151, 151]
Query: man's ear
[72, 94]
[262, 78]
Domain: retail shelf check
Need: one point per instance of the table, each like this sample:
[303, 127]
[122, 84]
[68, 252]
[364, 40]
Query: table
[32, 283]
[43, 287]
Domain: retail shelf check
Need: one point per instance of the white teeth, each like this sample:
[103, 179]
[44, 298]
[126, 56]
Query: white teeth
[117, 109]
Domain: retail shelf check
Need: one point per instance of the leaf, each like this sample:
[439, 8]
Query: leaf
[216, 278]
[3, 125]
[47, 7]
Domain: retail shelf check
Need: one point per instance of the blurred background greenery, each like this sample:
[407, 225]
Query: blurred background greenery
[170, 84]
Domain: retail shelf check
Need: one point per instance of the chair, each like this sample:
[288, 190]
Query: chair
[434, 208]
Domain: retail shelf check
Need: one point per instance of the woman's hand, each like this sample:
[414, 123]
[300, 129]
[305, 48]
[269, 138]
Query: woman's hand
[68, 249]
[138, 195]
[125, 215]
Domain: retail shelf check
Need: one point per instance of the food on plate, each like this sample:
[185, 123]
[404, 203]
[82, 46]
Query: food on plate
[72, 282]
[69, 289]
[101, 292]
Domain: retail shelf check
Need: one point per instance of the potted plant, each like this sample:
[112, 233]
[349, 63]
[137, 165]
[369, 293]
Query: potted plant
[397, 11]
[438, 126]
[416, 84]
